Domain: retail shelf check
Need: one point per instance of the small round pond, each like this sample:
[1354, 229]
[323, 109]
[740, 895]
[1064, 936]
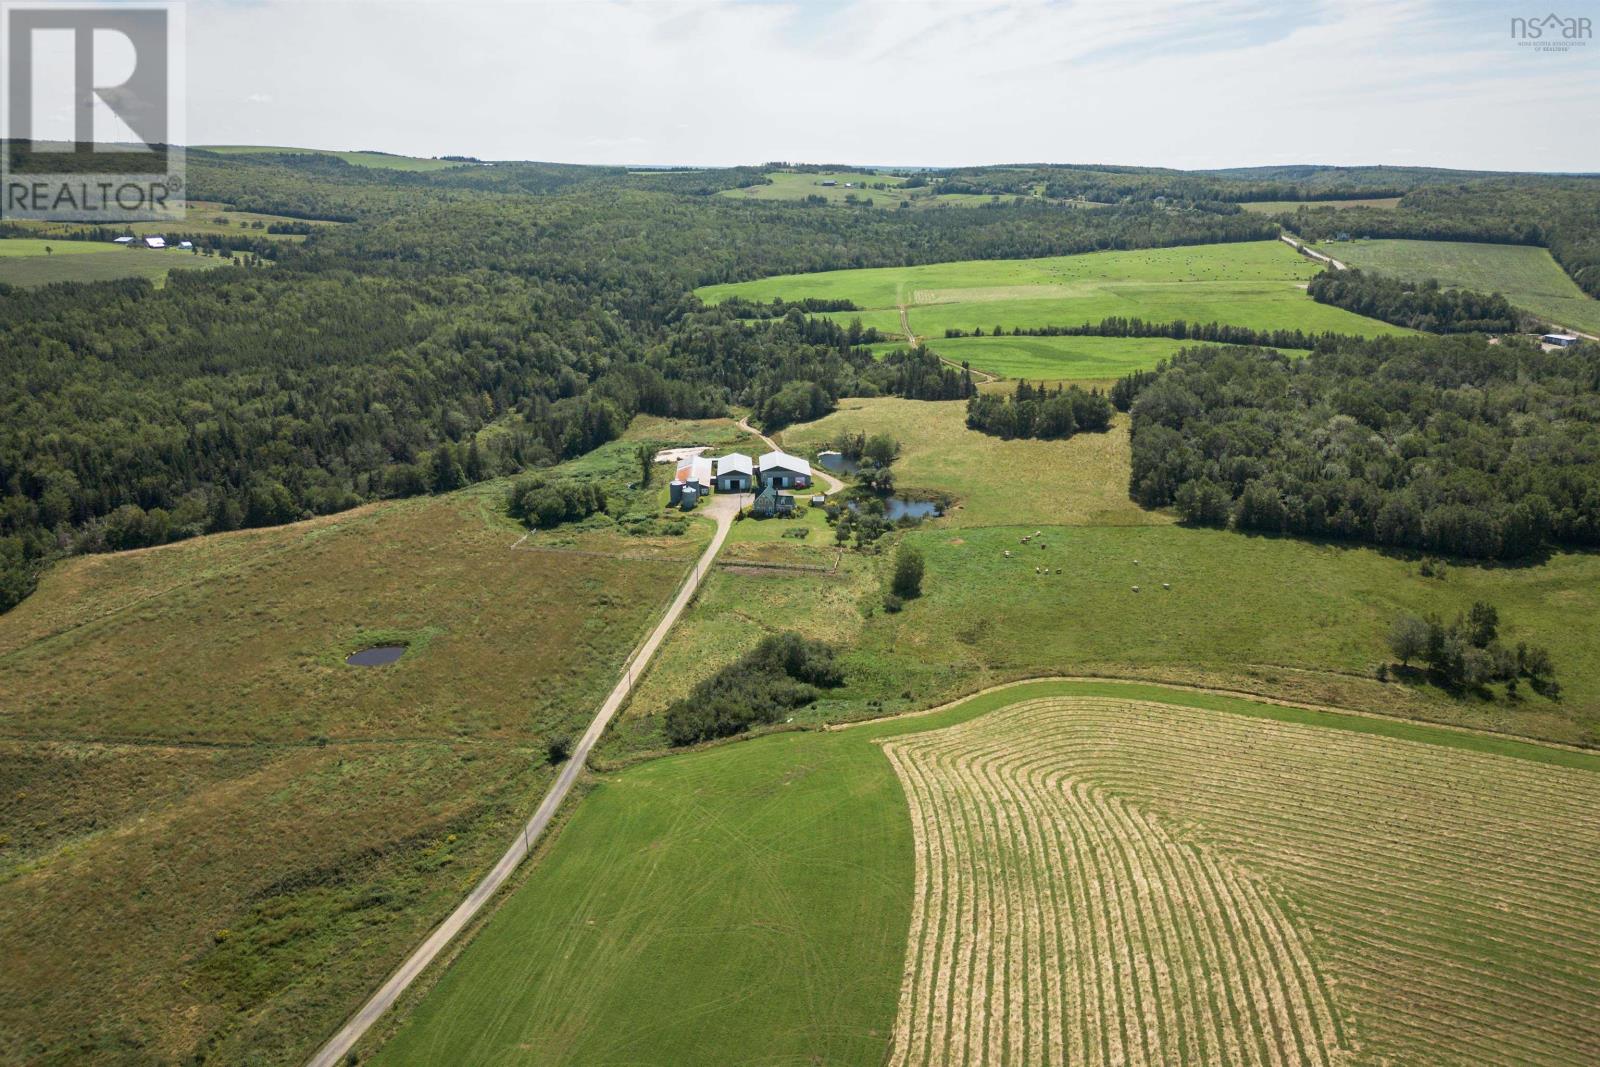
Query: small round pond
[837, 463]
[376, 656]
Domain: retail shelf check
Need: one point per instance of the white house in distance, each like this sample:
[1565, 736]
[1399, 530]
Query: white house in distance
[785, 471]
[735, 473]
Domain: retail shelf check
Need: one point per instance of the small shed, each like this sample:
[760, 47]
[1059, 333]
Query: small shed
[155, 242]
[1560, 340]
[123, 240]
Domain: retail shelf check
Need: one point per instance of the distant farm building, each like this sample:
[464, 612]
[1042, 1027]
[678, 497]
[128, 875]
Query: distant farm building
[735, 473]
[829, 181]
[123, 240]
[785, 471]
[155, 242]
[1560, 340]
[185, 244]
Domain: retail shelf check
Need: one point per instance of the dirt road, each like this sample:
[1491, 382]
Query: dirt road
[1305, 250]
[979, 376]
[722, 509]
[833, 484]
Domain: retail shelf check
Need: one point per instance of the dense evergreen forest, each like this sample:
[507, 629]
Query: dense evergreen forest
[550, 300]
[1448, 445]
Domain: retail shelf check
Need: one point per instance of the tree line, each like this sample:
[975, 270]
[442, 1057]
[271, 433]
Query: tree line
[1040, 412]
[1421, 305]
[1177, 329]
[1446, 444]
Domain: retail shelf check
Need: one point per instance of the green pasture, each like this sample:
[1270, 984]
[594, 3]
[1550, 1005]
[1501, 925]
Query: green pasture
[1525, 275]
[1257, 284]
[24, 262]
[1058, 358]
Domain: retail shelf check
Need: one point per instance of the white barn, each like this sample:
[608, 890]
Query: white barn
[735, 473]
[785, 471]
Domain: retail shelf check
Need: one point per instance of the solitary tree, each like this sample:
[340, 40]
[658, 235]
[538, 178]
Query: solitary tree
[908, 567]
[1408, 638]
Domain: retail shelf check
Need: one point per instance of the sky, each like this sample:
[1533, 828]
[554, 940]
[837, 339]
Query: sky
[1177, 83]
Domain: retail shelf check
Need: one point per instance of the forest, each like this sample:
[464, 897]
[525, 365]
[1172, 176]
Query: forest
[1447, 445]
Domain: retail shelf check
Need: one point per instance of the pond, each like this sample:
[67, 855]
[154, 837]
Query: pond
[895, 507]
[376, 656]
[837, 463]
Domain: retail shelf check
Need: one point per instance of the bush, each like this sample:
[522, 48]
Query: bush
[785, 671]
[544, 504]
[559, 748]
[892, 603]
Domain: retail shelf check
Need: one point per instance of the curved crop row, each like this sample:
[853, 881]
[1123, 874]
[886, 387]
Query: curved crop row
[1112, 881]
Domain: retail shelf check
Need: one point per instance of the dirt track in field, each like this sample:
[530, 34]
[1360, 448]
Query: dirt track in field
[1114, 881]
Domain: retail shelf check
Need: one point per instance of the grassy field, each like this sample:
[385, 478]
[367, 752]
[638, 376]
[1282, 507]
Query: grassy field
[787, 185]
[1256, 284]
[1271, 615]
[1526, 276]
[992, 480]
[381, 160]
[751, 903]
[1277, 207]
[1058, 359]
[24, 262]
[200, 217]
[216, 837]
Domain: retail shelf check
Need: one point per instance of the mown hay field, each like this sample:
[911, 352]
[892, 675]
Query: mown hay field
[751, 903]
[1527, 276]
[1256, 284]
[1118, 881]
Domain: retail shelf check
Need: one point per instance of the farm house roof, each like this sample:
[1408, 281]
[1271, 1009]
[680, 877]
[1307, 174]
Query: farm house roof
[774, 460]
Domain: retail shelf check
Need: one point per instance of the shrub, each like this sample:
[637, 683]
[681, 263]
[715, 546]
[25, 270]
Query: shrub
[544, 504]
[785, 671]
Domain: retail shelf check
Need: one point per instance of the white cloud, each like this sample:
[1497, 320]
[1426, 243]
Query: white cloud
[1171, 82]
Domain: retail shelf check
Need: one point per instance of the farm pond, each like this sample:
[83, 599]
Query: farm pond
[376, 656]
